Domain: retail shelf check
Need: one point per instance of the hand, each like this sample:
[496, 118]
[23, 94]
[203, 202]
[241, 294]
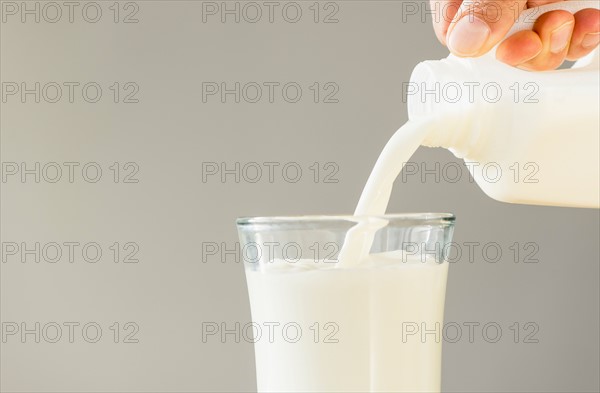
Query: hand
[470, 28]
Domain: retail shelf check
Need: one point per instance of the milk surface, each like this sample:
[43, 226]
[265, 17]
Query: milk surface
[367, 307]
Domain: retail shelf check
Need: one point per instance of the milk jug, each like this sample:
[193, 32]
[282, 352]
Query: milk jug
[526, 137]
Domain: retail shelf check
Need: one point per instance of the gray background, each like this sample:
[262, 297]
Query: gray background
[170, 212]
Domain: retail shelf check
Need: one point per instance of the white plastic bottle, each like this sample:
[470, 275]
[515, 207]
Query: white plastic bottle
[527, 137]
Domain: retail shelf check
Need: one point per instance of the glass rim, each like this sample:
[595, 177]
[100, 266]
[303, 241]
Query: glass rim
[419, 218]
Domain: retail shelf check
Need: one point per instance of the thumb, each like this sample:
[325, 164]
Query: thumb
[480, 24]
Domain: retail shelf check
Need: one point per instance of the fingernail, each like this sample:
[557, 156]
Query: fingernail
[590, 40]
[468, 36]
[560, 38]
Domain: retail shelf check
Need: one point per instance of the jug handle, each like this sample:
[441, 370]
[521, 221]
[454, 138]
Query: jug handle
[528, 17]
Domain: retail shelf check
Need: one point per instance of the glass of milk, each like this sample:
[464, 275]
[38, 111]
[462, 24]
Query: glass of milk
[369, 324]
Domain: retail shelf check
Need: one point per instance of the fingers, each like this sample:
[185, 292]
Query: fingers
[586, 33]
[443, 13]
[480, 24]
[544, 48]
[520, 48]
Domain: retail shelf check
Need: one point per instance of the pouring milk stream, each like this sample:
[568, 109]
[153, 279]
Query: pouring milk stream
[554, 135]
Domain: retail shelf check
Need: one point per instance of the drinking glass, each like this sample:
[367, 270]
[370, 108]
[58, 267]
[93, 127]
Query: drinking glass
[364, 323]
